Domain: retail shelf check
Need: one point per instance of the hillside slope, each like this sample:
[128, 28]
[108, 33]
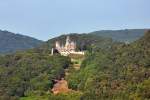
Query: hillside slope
[10, 42]
[127, 35]
[123, 73]
[120, 72]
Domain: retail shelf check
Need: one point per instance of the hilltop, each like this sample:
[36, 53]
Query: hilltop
[11, 42]
[127, 35]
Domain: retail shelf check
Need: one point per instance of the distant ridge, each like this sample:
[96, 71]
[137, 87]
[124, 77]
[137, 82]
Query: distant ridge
[126, 35]
[11, 42]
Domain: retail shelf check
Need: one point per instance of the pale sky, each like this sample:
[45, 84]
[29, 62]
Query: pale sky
[44, 19]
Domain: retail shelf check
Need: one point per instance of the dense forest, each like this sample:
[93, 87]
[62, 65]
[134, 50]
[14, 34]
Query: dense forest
[26, 73]
[120, 73]
[110, 71]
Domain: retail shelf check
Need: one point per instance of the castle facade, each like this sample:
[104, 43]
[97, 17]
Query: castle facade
[68, 48]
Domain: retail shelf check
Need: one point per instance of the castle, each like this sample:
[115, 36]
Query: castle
[68, 48]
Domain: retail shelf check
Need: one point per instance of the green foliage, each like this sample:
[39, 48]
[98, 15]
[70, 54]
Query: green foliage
[69, 96]
[110, 71]
[24, 73]
[119, 73]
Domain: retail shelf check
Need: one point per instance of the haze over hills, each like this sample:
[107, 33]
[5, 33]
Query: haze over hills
[11, 42]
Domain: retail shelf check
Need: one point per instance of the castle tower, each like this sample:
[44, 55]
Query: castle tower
[57, 45]
[68, 48]
[73, 46]
[52, 51]
[67, 41]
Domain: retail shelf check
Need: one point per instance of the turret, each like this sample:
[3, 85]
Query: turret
[52, 51]
[67, 41]
[73, 46]
[57, 45]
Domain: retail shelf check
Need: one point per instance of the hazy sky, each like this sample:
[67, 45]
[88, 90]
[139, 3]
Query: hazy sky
[45, 19]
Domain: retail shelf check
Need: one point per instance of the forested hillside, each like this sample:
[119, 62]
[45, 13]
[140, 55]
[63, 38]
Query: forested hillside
[10, 42]
[110, 71]
[121, 73]
[128, 35]
[29, 73]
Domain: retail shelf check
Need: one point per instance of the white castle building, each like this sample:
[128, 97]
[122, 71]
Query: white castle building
[68, 48]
